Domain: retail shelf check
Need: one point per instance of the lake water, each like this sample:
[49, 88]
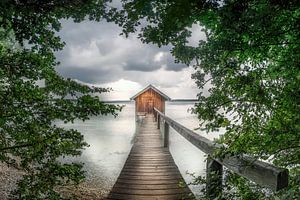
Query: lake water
[110, 141]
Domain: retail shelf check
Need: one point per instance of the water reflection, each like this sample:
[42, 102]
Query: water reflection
[111, 139]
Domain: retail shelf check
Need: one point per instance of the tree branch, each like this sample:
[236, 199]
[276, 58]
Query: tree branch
[16, 146]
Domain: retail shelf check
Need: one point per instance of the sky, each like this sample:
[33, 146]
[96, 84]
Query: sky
[96, 54]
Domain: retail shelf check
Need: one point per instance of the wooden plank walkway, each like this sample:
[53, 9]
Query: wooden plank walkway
[149, 172]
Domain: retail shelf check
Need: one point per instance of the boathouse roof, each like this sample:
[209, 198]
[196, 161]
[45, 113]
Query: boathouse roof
[153, 88]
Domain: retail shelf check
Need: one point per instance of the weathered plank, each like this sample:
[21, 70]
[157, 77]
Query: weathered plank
[149, 171]
[117, 196]
[260, 172]
[147, 182]
[148, 186]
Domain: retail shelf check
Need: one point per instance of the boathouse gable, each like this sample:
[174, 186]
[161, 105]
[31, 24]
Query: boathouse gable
[148, 99]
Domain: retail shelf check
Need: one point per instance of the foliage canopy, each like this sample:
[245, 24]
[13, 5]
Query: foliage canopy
[30, 140]
[249, 63]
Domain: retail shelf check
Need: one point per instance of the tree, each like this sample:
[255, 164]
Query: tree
[250, 62]
[30, 140]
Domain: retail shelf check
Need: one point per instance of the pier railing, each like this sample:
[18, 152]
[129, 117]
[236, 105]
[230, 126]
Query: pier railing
[261, 173]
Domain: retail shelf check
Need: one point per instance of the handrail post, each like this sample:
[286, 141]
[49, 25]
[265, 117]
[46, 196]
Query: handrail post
[214, 172]
[158, 121]
[166, 134]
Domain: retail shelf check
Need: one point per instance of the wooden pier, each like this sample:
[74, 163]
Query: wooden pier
[150, 171]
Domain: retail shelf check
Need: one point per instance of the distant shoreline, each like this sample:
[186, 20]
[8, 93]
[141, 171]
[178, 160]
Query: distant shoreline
[128, 101]
[183, 100]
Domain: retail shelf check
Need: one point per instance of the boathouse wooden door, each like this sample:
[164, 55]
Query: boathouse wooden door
[150, 106]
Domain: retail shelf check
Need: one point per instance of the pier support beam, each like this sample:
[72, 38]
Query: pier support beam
[166, 134]
[214, 171]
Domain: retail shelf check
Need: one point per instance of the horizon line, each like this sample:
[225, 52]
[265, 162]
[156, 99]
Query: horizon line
[128, 100]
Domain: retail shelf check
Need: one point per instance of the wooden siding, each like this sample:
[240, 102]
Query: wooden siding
[146, 101]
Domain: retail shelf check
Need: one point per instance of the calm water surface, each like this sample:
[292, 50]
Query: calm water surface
[110, 141]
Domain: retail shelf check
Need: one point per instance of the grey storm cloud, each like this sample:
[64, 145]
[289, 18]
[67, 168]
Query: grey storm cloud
[95, 52]
[89, 75]
[140, 66]
[170, 63]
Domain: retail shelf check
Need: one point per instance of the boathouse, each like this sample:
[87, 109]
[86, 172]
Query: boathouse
[148, 99]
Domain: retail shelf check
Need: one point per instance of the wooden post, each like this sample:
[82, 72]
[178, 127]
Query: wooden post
[136, 111]
[166, 134]
[214, 172]
[158, 121]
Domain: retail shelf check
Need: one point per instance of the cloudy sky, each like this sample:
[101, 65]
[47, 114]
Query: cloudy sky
[96, 54]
